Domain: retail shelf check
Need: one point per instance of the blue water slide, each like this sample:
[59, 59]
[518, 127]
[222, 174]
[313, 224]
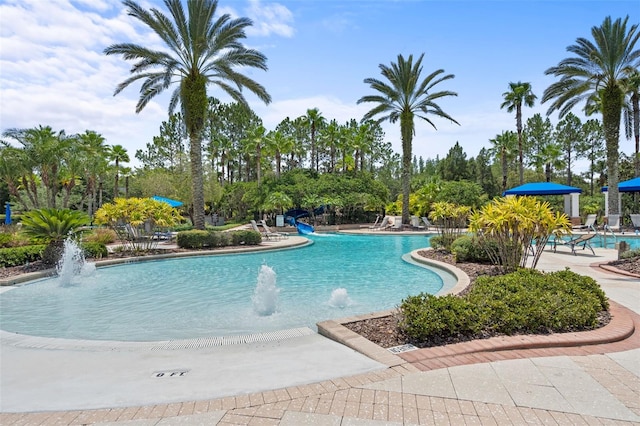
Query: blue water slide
[304, 228]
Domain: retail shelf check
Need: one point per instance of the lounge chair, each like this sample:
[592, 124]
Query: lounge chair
[387, 221]
[375, 224]
[415, 224]
[427, 222]
[635, 220]
[270, 232]
[264, 233]
[397, 224]
[589, 223]
[575, 242]
[613, 223]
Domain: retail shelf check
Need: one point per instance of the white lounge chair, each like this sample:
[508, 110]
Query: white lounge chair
[415, 224]
[613, 223]
[397, 224]
[273, 233]
[375, 224]
[427, 222]
[635, 220]
[387, 221]
[265, 234]
[589, 223]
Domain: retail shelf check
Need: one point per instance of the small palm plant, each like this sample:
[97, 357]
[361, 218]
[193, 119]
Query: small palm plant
[52, 226]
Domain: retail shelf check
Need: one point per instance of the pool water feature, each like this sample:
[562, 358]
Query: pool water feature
[205, 296]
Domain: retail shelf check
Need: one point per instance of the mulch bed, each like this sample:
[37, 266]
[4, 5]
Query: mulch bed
[384, 331]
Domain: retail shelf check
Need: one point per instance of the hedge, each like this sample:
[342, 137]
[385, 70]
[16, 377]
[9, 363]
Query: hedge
[17, 256]
[197, 239]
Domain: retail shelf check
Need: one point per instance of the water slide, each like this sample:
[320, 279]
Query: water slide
[304, 228]
[292, 217]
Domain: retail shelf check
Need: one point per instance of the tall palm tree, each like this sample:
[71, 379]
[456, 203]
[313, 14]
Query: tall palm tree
[403, 98]
[503, 148]
[598, 70]
[519, 93]
[201, 51]
[633, 116]
[314, 120]
[118, 154]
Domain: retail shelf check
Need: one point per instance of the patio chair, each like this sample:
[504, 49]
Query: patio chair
[270, 232]
[575, 242]
[613, 223]
[635, 220]
[427, 222]
[415, 224]
[589, 223]
[397, 224]
[375, 224]
[387, 221]
[266, 235]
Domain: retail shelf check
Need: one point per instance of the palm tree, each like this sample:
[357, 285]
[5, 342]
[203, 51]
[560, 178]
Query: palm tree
[405, 97]
[633, 116]
[202, 51]
[519, 93]
[598, 70]
[503, 148]
[315, 120]
[118, 154]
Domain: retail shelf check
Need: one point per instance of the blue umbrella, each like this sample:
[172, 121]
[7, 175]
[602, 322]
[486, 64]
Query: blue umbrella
[7, 217]
[172, 203]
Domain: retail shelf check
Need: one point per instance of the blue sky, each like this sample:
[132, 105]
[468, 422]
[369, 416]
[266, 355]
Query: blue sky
[53, 72]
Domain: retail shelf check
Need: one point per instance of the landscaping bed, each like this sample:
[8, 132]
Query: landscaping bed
[386, 331]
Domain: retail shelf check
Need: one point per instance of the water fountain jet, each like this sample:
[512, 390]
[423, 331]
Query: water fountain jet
[72, 263]
[265, 295]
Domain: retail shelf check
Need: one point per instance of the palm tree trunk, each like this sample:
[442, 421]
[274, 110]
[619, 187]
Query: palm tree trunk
[406, 130]
[505, 170]
[520, 149]
[611, 111]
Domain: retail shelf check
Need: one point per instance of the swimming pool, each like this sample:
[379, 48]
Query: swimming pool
[204, 296]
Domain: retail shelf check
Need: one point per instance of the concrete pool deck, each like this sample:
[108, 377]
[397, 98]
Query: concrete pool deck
[332, 384]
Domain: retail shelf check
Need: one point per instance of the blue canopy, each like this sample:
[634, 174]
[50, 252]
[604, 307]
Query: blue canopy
[542, 188]
[632, 185]
[172, 203]
[7, 217]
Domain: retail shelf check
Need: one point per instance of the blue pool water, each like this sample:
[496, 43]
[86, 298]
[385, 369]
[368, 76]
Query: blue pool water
[212, 295]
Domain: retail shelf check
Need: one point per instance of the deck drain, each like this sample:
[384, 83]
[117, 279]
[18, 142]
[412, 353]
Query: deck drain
[402, 348]
[170, 373]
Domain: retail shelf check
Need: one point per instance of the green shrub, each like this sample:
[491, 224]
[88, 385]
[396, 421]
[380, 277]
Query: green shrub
[94, 250]
[436, 242]
[17, 256]
[194, 239]
[630, 254]
[249, 238]
[219, 239]
[470, 249]
[525, 301]
[427, 316]
[101, 235]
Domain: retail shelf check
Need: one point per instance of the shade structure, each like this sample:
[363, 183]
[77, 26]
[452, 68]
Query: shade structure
[631, 185]
[542, 188]
[7, 217]
[172, 203]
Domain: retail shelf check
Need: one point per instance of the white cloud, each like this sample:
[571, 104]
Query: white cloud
[272, 18]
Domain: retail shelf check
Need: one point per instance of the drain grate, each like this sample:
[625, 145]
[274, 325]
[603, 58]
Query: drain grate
[209, 342]
[402, 348]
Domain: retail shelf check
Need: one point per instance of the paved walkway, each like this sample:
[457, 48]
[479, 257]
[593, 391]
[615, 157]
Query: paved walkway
[505, 382]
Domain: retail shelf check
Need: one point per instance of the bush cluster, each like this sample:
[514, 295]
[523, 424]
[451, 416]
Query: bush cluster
[470, 249]
[630, 254]
[197, 239]
[526, 301]
[17, 256]
[101, 235]
[94, 250]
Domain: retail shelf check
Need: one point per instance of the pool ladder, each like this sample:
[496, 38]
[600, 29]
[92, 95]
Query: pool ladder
[603, 237]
